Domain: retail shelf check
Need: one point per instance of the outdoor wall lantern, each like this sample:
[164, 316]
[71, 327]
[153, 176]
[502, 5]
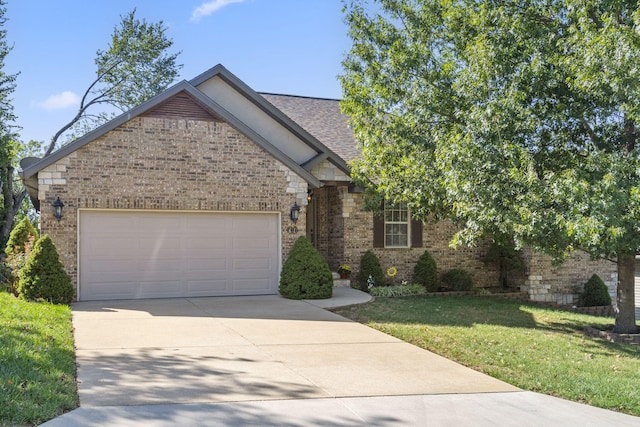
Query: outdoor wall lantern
[57, 208]
[294, 214]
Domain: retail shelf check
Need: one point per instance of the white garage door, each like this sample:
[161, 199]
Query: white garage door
[135, 254]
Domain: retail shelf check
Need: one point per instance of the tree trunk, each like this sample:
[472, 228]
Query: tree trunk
[626, 314]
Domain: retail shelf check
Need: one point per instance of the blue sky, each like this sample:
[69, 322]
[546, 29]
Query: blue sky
[280, 46]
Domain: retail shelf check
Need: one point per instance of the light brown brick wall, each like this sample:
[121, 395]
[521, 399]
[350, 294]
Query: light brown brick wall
[167, 164]
[357, 229]
[563, 283]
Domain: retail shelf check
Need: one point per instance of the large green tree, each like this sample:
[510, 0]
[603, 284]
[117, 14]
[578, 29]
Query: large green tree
[513, 118]
[11, 197]
[136, 66]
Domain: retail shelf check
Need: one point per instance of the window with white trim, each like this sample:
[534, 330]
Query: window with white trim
[396, 226]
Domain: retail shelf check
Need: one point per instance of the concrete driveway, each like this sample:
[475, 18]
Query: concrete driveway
[239, 361]
[245, 349]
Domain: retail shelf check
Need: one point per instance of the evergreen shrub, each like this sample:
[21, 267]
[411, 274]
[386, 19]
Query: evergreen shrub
[11, 266]
[595, 293]
[458, 279]
[369, 266]
[425, 272]
[19, 236]
[42, 277]
[305, 274]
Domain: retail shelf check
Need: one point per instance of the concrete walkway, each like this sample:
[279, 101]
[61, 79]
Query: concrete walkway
[240, 361]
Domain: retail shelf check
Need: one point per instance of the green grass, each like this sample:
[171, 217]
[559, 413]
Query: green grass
[536, 349]
[37, 365]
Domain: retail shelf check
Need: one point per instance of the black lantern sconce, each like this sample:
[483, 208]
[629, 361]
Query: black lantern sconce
[294, 214]
[57, 208]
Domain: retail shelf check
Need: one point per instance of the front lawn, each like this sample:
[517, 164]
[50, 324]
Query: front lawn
[37, 366]
[537, 349]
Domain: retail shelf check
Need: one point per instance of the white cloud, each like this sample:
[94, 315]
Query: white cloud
[60, 101]
[207, 8]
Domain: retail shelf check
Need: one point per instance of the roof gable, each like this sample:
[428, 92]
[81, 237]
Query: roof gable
[190, 99]
[181, 106]
[220, 84]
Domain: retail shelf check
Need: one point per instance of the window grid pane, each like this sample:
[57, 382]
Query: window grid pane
[396, 228]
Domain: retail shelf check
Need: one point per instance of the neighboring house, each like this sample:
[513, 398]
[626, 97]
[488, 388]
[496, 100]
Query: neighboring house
[191, 194]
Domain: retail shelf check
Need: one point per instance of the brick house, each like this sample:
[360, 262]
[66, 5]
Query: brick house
[191, 194]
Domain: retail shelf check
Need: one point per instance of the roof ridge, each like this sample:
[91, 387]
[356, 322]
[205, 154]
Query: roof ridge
[300, 96]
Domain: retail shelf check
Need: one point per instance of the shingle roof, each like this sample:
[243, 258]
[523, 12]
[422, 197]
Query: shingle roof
[322, 119]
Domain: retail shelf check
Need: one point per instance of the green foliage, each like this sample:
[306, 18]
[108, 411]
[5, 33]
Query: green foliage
[11, 195]
[425, 272]
[20, 236]
[38, 371]
[595, 293]
[518, 119]
[135, 66]
[12, 265]
[305, 274]
[504, 255]
[457, 279]
[42, 277]
[369, 267]
[396, 291]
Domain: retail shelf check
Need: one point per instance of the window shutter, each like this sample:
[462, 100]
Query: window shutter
[378, 232]
[416, 233]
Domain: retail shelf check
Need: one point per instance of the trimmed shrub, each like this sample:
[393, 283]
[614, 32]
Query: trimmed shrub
[595, 293]
[19, 236]
[42, 277]
[425, 272]
[457, 279]
[397, 291]
[305, 274]
[369, 266]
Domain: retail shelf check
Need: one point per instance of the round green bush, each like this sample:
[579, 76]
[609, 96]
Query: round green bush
[42, 277]
[457, 279]
[595, 293]
[369, 267]
[19, 236]
[425, 272]
[305, 274]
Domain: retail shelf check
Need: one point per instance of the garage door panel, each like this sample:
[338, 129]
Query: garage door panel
[252, 243]
[248, 285]
[164, 265]
[208, 287]
[109, 265]
[110, 290]
[161, 288]
[177, 254]
[158, 224]
[213, 265]
[166, 245]
[208, 244]
[250, 264]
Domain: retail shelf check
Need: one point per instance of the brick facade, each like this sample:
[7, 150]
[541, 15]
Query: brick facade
[178, 156]
[152, 163]
[345, 233]
[563, 283]
[348, 234]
